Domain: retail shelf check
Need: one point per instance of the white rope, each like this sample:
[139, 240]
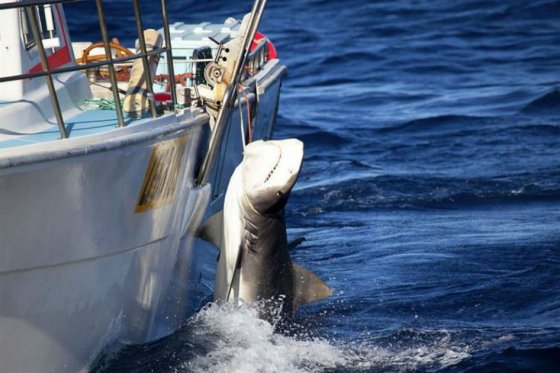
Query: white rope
[242, 126]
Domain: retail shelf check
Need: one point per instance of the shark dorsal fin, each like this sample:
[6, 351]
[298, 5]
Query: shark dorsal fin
[213, 230]
[308, 287]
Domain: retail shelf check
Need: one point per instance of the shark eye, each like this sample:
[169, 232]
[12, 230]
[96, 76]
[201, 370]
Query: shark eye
[279, 193]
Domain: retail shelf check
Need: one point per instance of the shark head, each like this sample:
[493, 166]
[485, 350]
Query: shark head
[270, 170]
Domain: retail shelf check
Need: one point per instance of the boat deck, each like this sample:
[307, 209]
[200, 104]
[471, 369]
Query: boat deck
[87, 122]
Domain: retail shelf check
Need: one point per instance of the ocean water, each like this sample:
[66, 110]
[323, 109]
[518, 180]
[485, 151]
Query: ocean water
[429, 198]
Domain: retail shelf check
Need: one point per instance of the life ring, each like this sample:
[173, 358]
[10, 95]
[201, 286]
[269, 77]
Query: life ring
[272, 54]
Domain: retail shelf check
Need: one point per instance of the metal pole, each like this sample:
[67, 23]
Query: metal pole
[69, 69]
[32, 14]
[224, 113]
[147, 72]
[26, 3]
[169, 54]
[111, 64]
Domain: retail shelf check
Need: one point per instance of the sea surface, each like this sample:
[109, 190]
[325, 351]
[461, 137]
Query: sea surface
[429, 198]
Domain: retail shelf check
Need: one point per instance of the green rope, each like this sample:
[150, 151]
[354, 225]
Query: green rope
[106, 104]
[100, 103]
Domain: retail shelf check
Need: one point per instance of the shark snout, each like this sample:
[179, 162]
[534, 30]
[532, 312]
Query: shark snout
[270, 170]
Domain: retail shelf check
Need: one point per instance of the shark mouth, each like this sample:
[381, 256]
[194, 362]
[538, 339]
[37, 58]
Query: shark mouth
[270, 170]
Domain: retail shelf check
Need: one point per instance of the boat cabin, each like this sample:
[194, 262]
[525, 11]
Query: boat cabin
[26, 103]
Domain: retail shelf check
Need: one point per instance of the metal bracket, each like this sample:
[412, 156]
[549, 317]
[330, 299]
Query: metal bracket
[214, 73]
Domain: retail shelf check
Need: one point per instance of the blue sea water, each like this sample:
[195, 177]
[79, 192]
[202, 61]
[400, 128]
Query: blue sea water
[430, 194]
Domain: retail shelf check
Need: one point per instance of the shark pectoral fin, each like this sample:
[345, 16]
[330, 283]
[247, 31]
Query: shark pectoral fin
[213, 230]
[308, 287]
[234, 271]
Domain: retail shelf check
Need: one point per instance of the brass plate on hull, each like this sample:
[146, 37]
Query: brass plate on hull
[160, 180]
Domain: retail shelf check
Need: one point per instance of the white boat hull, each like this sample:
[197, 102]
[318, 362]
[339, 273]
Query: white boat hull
[81, 264]
[90, 256]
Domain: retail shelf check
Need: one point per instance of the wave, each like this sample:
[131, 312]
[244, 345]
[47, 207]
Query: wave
[228, 338]
[514, 359]
[473, 132]
[413, 192]
[290, 127]
[323, 139]
[350, 58]
[436, 122]
[231, 338]
[322, 81]
[549, 103]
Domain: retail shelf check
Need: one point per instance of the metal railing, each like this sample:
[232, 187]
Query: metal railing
[30, 7]
[259, 56]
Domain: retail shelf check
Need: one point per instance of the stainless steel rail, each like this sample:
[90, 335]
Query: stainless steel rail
[169, 54]
[111, 64]
[142, 42]
[90, 65]
[30, 7]
[25, 3]
[259, 56]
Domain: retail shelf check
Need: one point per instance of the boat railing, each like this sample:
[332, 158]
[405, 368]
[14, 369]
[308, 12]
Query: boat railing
[258, 57]
[31, 9]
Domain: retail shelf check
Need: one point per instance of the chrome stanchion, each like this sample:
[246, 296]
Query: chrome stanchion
[169, 54]
[142, 42]
[111, 64]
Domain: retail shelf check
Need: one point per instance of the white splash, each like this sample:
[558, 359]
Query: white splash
[244, 343]
[236, 340]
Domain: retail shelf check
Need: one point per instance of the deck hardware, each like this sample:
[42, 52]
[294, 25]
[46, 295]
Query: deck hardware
[213, 73]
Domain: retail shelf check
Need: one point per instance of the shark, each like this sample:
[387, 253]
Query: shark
[254, 263]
